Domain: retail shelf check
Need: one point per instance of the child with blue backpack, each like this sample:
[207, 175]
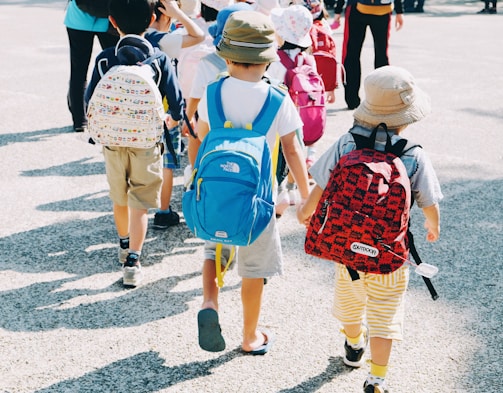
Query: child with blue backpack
[248, 46]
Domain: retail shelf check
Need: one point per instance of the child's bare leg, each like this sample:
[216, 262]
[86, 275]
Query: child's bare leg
[251, 298]
[353, 330]
[210, 287]
[121, 218]
[380, 349]
[138, 228]
[167, 188]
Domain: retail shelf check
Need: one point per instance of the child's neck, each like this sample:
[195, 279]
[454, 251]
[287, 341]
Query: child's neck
[248, 74]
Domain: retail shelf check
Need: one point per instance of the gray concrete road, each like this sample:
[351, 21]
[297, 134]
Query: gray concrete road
[67, 325]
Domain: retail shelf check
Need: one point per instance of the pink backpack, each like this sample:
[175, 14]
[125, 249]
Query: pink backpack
[308, 94]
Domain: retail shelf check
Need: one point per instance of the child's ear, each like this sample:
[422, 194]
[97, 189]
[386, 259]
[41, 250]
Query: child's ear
[152, 19]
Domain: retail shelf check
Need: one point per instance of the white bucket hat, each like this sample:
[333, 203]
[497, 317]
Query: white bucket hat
[293, 24]
[217, 4]
[265, 6]
[190, 7]
[392, 97]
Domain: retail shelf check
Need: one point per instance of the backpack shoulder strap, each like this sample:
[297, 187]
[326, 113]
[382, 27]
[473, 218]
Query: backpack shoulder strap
[398, 148]
[214, 100]
[263, 120]
[364, 142]
[271, 106]
[285, 60]
[215, 60]
[153, 61]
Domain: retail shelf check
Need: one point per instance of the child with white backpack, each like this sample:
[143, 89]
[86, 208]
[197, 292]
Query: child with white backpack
[117, 112]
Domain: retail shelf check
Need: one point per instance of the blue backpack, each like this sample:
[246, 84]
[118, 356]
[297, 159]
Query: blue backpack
[229, 198]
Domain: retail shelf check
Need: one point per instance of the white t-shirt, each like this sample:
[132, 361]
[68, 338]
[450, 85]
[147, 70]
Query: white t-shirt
[242, 102]
[206, 72]
[171, 44]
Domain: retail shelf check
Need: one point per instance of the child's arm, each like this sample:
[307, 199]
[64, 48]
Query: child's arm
[432, 223]
[194, 33]
[202, 129]
[306, 209]
[296, 162]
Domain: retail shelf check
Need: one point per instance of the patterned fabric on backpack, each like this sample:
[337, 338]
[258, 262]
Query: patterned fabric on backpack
[126, 108]
[230, 198]
[362, 217]
[308, 94]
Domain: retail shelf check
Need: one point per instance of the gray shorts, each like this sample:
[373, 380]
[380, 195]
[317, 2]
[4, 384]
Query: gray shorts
[263, 258]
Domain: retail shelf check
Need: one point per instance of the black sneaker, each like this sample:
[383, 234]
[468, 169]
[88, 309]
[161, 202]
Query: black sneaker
[165, 220]
[353, 357]
[376, 388]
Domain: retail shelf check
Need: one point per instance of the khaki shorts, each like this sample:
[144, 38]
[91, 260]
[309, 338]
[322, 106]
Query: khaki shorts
[134, 176]
[379, 296]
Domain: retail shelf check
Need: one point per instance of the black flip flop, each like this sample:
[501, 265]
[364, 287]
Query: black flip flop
[210, 333]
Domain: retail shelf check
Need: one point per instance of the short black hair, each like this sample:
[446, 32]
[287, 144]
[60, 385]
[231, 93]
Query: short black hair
[288, 45]
[208, 14]
[157, 12]
[132, 16]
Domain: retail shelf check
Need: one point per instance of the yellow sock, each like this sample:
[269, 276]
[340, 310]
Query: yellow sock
[353, 340]
[378, 371]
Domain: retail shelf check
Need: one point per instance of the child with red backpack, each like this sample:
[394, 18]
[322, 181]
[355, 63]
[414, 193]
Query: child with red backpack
[323, 48]
[375, 291]
[298, 70]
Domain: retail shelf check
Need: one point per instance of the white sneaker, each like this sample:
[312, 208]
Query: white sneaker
[123, 253]
[294, 197]
[282, 203]
[131, 272]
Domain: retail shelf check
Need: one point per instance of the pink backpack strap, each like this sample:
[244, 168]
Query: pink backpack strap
[285, 60]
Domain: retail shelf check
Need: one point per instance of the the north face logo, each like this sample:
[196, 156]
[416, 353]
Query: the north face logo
[230, 167]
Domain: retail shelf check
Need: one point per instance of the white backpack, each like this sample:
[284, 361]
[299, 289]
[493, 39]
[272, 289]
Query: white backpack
[126, 107]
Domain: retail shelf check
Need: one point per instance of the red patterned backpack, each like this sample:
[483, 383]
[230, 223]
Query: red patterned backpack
[362, 217]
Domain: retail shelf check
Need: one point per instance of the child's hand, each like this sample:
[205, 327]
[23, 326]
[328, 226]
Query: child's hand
[170, 8]
[433, 231]
[330, 96]
[302, 217]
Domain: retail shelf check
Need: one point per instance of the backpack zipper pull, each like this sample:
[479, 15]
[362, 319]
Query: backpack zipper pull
[198, 192]
[325, 209]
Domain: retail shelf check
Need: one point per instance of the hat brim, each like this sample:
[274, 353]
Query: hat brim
[277, 14]
[248, 55]
[415, 111]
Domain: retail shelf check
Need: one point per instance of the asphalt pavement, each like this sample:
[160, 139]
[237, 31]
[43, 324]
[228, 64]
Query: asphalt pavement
[68, 325]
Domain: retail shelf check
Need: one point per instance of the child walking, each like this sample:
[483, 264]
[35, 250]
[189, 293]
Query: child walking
[172, 43]
[135, 175]
[248, 46]
[393, 98]
[293, 25]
